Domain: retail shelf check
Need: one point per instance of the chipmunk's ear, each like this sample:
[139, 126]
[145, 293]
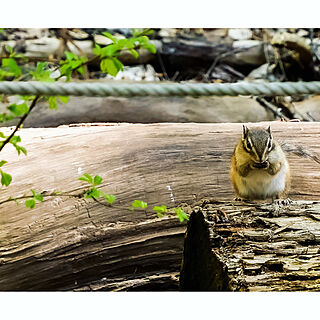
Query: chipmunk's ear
[245, 131]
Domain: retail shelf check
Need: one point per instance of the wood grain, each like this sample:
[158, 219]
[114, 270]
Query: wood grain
[245, 246]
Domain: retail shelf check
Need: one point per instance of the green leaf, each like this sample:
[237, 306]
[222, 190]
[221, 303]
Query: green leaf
[134, 53]
[93, 193]
[2, 135]
[39, 197]
[109, 36]
[6, 178]
[70, 55]
[139, 204]
[181, 214]
[15, 139]
[19, 109]
[108, 65]
[53, 104]
[24, 150]
[109, 51]
[30, 203]
[64, 99]
[17, 148]
[2, 162]
[139, 32]
[42, 73]
[90, 179]
[136, 31]
[123, 43]
[150, 47]
[160, 209]
[97, 50]
[9, 49]
[110, 198]
[81, 70]
[11, 64]
[97, 180]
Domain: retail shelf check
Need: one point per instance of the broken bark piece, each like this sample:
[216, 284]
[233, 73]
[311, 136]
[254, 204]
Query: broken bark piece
[261, 247]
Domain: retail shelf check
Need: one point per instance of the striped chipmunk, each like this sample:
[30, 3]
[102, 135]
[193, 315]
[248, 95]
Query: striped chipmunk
[259, 167]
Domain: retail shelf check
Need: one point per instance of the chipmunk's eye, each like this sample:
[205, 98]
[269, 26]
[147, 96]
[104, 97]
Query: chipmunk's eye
[248, 145]
[269, 145]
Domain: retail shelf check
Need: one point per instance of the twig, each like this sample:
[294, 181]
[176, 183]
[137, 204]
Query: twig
[3, 143]
[45, 196]
[162, 67]
[271, 107]
[33, 59]
[116, 205]
[220, 56]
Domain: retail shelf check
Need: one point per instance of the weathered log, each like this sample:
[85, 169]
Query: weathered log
[148, 110]
[252, 247]
[192, 58]
[68, 244]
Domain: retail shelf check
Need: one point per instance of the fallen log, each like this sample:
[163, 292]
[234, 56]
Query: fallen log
[139, 110]
[232, 246]
[75, 244]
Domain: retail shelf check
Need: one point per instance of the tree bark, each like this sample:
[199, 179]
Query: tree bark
[78, 244]
[232, 246]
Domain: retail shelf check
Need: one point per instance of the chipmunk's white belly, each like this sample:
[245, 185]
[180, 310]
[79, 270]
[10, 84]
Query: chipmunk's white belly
[259, 184]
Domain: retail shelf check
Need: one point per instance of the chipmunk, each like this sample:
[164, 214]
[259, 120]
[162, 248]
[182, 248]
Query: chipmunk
[259, 167]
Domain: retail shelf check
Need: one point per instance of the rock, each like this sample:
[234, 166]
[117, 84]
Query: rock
[240, 34]
[78, 34]
[262, 72]
[216, 34]
[303, 33]
[167, 32]
[137, 73]
[27, 33]
[101, 40]
[246, 43]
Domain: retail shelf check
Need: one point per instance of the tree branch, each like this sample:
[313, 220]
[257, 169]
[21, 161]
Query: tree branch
[3, 143]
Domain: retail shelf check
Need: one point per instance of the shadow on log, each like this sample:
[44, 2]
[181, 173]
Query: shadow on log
[201, 270]
[252, 247]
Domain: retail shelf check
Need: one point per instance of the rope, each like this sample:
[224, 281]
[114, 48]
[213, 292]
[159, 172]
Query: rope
[98, 89]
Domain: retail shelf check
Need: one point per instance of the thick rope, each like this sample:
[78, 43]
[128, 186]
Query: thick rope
[98, 89]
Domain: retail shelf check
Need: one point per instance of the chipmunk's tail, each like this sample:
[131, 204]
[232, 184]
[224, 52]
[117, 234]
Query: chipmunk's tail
[300, 151]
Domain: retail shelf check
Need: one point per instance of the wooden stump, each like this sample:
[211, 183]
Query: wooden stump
[242, 246]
